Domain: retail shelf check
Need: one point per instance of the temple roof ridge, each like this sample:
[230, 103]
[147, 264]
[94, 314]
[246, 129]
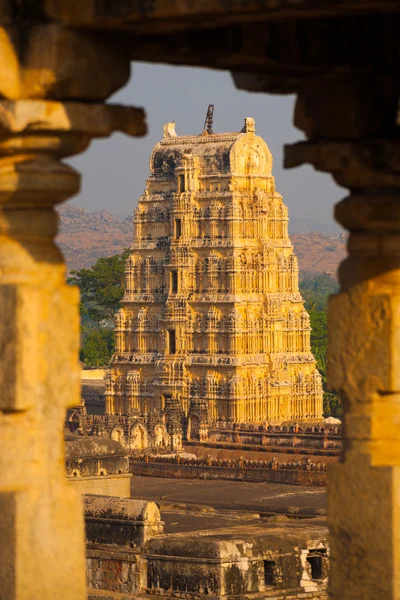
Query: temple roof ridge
[169, 132]
[201, 138]
[230, 152]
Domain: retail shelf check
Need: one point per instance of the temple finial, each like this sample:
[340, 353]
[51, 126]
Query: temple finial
[169, 129]
[249, 125]
[208, 123]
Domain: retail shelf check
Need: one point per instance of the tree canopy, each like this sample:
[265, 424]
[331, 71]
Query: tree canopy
[97, 346]
[316, 290]
[101, 286]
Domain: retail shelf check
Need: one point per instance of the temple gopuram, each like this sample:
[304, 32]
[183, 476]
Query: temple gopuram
[212, 326]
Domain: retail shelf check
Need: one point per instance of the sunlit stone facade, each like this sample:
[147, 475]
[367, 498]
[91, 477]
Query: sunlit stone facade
[213, 325]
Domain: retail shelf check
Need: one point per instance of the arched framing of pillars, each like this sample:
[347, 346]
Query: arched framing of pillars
[365, 563]
[51, 107]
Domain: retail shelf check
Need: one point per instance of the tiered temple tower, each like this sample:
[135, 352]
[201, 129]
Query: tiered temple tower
[213, 325]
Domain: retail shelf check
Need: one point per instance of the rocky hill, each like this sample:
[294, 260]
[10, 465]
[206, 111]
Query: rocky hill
[318, 253]
[86, 236]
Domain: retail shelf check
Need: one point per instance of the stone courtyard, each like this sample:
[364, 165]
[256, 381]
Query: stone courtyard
[264, 498]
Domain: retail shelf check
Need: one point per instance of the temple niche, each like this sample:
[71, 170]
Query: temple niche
[212, 327]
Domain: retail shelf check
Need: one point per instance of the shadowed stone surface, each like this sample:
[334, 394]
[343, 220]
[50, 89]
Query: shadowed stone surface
[258, 497]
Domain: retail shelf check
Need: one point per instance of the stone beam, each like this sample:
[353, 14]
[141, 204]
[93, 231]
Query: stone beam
[242, 38]
[259, 62]
[51, 107]
[351, 121]
[160, 16]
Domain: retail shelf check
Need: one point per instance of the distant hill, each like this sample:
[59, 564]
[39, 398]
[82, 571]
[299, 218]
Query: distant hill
[87, 236]
[318, 253]
[301, 225]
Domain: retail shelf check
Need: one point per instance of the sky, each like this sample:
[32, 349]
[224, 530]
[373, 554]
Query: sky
[114, 170]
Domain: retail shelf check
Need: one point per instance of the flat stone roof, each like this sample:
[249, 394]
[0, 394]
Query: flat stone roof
[212, 542]
[91, 447]
[257, 497]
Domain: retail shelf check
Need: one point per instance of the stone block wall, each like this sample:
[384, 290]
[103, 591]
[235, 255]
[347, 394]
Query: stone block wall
[128, 556]
[324, 440]
[108, 485]
[92, 457]
[97, 466]
[116, 531]
[120, 522]
[194, 471]
[249, 564]
[114, 572]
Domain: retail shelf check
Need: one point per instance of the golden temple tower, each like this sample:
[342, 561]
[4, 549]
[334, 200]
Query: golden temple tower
[213, 324]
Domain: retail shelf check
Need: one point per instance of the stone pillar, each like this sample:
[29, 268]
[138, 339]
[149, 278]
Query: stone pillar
[41, 519]
[352, 121]
[365, 367]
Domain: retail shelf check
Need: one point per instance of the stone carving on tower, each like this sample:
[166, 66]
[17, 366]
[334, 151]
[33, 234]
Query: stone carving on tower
[212, 326]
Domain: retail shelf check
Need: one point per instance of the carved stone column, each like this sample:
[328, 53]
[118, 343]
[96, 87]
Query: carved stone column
[352, 121]
[41, 520]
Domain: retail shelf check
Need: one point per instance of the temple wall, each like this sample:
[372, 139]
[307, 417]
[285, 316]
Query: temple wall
[279, 441]
[136, 433]
[96, 373]
[280, 595]
[106, 485]
[294, 477]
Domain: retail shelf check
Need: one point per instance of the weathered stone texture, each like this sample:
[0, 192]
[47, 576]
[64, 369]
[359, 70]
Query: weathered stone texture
[103, 485]
[97, 466]
[120, 522]
[245, 473]
[39, 379]
[49, 60]
[269, 560]
[41, 516]
[363, 327]
[155, 16]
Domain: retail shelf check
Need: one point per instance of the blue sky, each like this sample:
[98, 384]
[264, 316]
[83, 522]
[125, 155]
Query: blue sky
[115, 169]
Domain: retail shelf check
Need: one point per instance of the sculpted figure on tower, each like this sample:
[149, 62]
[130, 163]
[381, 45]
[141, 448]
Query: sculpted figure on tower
[213, 327]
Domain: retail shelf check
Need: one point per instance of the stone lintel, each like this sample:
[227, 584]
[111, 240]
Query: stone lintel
[36, 117]
[160, 16]
[367, 163]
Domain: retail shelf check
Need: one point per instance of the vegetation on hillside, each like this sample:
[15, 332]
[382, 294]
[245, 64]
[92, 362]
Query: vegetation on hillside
[316, 290]
[102, 289]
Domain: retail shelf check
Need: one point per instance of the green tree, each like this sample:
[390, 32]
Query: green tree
[97, 346]
[102, 287]
[315, 290]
